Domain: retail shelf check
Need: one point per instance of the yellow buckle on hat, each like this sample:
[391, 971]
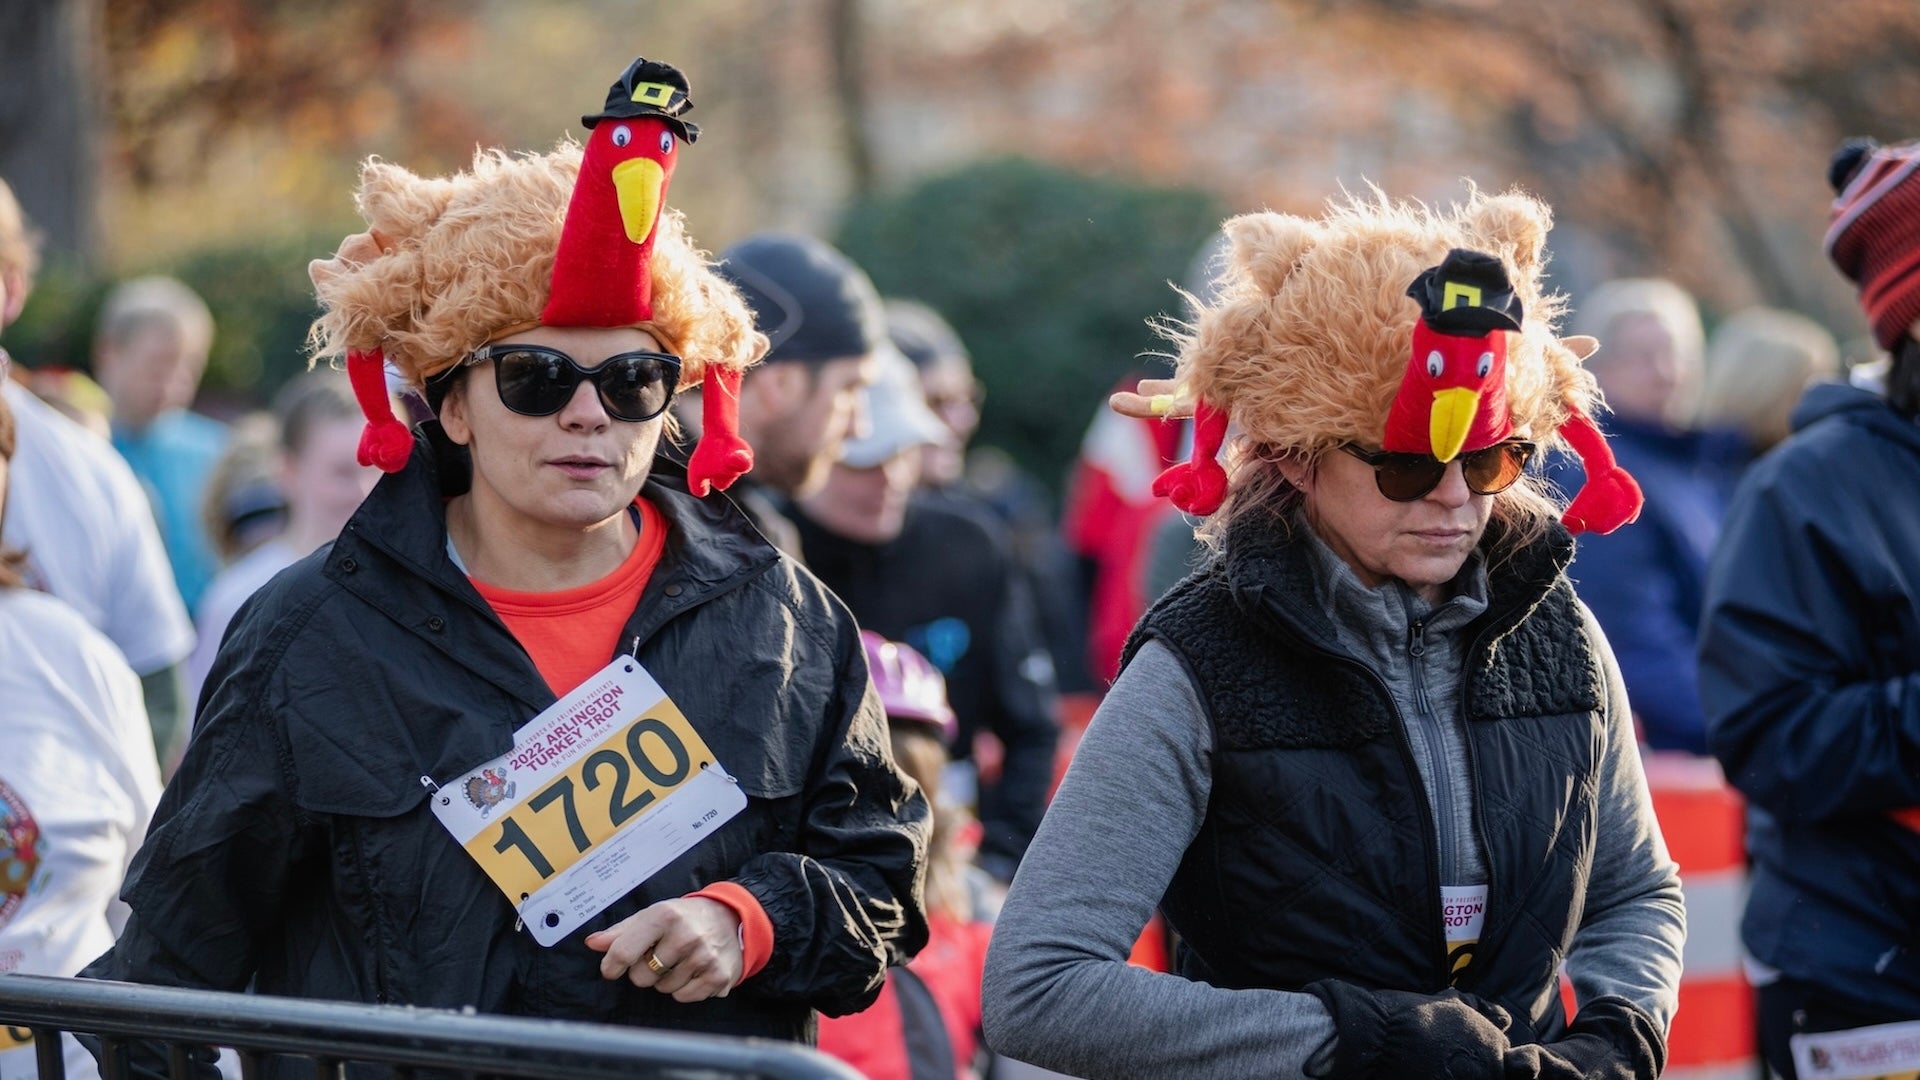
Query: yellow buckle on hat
[1459, 293]
[653, 93]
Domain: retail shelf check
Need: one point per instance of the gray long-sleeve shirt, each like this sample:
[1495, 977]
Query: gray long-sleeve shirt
[1059, 992]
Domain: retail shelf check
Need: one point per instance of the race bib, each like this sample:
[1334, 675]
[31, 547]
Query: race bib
[1463, 911]
[600, 791]
[1882, 1052]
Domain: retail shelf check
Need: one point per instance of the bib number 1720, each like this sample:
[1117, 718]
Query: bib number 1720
[650, 747]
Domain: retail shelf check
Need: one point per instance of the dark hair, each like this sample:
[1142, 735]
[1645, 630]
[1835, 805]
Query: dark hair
[11, 575]
[919, 331]
[1903, 377]
[242, 503]
[310, 399]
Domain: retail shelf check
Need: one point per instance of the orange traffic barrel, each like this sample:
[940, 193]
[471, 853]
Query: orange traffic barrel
[1702, 818]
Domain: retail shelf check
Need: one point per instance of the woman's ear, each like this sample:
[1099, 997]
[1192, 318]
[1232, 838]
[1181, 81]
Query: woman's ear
[453, 411]
[1298, 470]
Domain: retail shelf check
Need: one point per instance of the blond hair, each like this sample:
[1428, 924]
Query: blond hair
[1758, 362]
[454, 261]
[1661, 300]
[19, 248]
[921, 754]
[1306, 340]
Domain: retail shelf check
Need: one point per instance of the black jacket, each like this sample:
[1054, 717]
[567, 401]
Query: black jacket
[1310, 767]
[948, 587]
[1810, 674]
[295, 848]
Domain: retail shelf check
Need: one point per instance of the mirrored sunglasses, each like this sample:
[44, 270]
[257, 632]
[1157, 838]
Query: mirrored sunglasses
[1411, 477]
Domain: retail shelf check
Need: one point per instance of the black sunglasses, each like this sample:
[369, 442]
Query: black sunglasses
[1410, 477]
[535, 380]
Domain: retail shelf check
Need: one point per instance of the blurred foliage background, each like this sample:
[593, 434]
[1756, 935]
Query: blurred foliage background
[1050, 273]
[1039, 169]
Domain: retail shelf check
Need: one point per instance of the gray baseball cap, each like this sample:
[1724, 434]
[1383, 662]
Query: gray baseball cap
[897, 417]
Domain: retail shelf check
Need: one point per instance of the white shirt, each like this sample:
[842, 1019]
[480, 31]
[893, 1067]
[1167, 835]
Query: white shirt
[225, 593]
[89, 534]
[78, 783]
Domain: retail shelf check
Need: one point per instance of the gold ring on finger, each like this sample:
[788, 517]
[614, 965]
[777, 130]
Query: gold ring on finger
[654, 965]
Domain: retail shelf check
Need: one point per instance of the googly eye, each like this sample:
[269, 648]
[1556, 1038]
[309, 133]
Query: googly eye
[1486, 364]
[622, 135]
[666, 142]
[1436, 363]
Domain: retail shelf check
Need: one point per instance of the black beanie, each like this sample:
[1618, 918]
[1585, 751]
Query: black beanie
[922, 334]
[812, 302]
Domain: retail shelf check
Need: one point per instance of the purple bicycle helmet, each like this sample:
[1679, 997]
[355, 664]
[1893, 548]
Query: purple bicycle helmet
[910, 687]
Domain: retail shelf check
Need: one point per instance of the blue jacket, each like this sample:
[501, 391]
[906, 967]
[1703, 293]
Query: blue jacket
[1644, 583]
[174, 458]
[1810, 676]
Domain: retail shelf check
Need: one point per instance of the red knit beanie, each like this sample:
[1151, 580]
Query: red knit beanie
[1874, 236]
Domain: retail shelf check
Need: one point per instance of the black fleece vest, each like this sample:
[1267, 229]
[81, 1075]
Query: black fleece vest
[1317, 857]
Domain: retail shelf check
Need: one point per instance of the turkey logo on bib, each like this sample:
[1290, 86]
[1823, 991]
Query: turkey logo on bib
[488, 790]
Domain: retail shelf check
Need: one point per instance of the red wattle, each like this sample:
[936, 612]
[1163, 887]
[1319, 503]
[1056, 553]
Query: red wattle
[385, 442]
[722, 456]
[1199, 484]
[1610, 497]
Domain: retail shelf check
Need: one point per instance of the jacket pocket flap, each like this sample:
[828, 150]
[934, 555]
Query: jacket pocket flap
[347, 771]
[376, 763]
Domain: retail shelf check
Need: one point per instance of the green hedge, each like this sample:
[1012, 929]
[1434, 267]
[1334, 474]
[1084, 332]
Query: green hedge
[1049, 276]
[261, 300]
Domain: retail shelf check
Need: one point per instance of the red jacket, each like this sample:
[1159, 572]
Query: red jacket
[1111, 511]
[896, 1033]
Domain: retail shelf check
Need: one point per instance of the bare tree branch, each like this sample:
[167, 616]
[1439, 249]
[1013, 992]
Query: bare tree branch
[850, 86]
[49, 134]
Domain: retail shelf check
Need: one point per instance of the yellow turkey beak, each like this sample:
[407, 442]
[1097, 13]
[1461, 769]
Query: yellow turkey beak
[1453, 412]
[637, 182]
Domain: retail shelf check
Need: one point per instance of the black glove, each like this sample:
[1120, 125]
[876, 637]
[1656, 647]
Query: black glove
[1390, 1034]
[1518, 1025]
[1610, 1039]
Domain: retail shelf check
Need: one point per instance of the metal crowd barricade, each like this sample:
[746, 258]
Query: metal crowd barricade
[332, 1035]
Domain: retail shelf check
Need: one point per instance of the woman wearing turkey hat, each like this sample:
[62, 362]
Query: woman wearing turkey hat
[1374, 760]
[384, 801]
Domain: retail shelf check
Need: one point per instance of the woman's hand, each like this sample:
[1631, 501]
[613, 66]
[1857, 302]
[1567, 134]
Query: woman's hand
[689, 948]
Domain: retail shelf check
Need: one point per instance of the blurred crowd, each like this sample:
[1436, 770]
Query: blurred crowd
[994, 616]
